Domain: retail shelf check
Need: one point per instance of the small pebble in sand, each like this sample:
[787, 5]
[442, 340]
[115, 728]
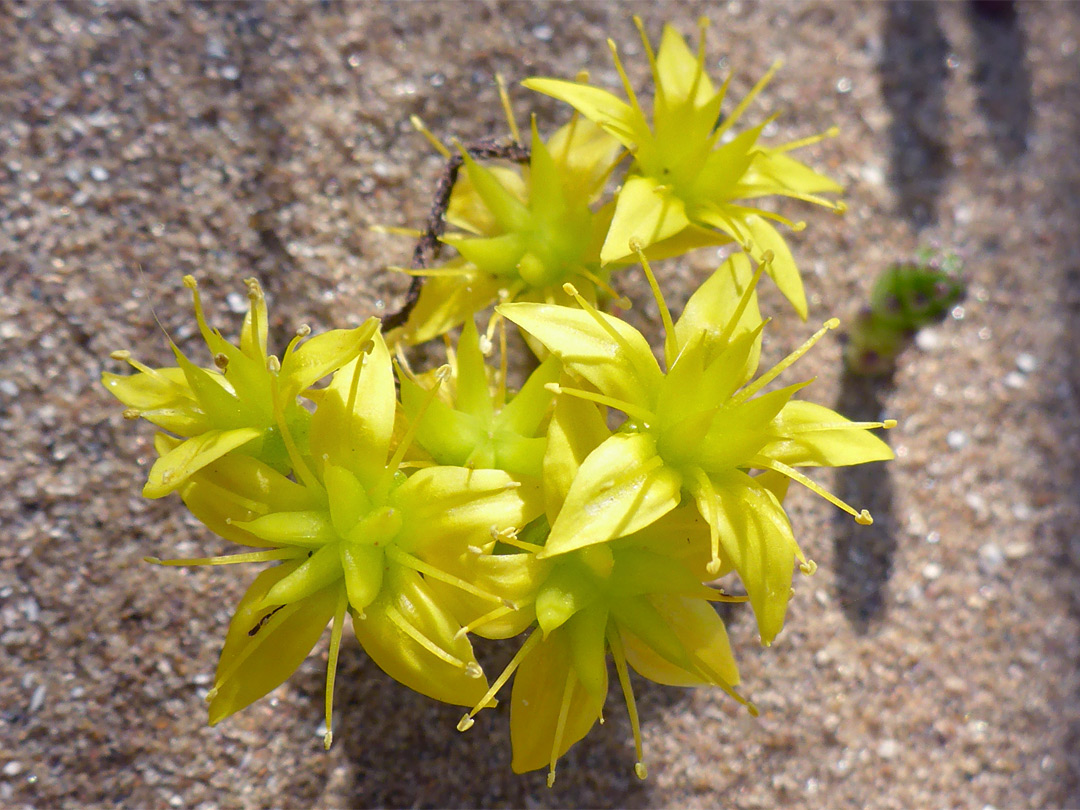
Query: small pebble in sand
[1026, 363]
[956, 439]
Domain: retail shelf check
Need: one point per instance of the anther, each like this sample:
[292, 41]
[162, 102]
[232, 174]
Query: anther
[473, 670]
[570, 289]
[641, 771]
[889, 424]
[190, 282]
[303, 330]
[221, 360]
[120, 354]
[273, 365]
[465, 723]
[254, 290]
[328, 740]
[864, 518]
[713, 567]
[809, 568]
[132, 413]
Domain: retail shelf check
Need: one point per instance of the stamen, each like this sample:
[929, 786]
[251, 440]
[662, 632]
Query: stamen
[302, 331]
[725, 598]
[221, 361]
[131, 413]
[780, 367]
[560, 725]
[204, 329]
[466, 722]
[331, 664]
[510, 537]
[300, 466]
[634, 411]
[863, 518]
[836, 206]
[270, 555]
[831, 132]
[394, 616]
[703, 25]
[433, 271]
[671, 349]
[625, 80]
[354, 383]
[740, 108]
[257, 314]
[441, 376]
[744, 299]
[887, 425]
[621, 301]
[603, 323]
[420, 127]
[416, 564]
[715, 678]
[504, 99]
[659, 87]
[490, 616]
[615, 642]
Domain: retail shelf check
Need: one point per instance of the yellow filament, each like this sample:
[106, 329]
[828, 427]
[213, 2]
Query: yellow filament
[420, 127]
[354, 383]
[560, 725]
[204, 328]
[622, 75]
[270, 555]
[780, 367]
[392, 466]
[604, 324]
[670, 347]
[511, 539]
[863, 517]
[831, 132]
[394, 616]
[715, 678]
[480, 621]
[660, 98]
[255, 293]
[331, 664]
[432, 271]
[703, 25]
[634, 411]
[530, 643]
[615, 642]
[816, 426]
[416, 564]
[504, 99]
[621, 301]
[299, 465]
[744, 299]
[740, 108]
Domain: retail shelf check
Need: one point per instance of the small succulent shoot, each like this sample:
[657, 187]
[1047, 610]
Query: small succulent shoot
[689, 171]
[906, 297]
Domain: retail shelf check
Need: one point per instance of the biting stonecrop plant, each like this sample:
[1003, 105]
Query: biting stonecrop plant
[590, 512]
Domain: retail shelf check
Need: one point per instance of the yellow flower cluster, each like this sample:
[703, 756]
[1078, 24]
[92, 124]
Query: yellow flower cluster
[589, 512]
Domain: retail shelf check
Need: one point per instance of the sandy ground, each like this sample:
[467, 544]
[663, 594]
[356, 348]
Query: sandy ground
[932, 660]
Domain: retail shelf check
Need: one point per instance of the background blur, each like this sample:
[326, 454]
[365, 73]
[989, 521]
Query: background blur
[931, 661]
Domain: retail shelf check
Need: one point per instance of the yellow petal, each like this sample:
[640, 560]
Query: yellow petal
[175, 467]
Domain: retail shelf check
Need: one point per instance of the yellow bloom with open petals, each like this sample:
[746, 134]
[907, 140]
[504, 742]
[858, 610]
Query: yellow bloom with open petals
[638, 599]
[244, 403]
[689, 169]
[355, 533]
[699, 428]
